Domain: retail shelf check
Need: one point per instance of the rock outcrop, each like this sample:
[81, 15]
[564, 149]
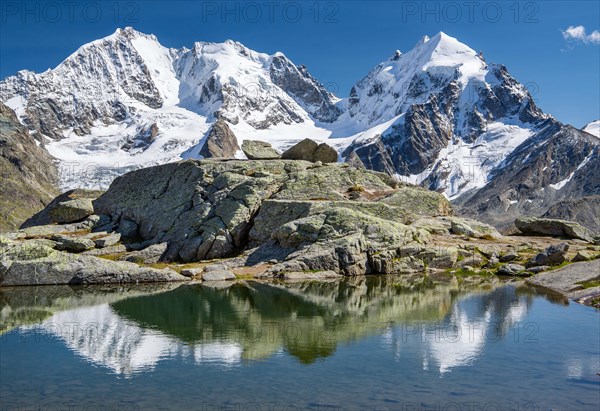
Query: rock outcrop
[214, 209]
[570, 281]
[286, 219]
[35, 263]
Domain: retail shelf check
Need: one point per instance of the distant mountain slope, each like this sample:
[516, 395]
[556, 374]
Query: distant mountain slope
[28, 174]
[558, 163]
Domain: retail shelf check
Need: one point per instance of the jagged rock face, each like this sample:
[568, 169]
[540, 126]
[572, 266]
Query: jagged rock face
[557, 164]
[207, 209]
[304, 88]
[29, 176]
[220, 142]
[90, 85]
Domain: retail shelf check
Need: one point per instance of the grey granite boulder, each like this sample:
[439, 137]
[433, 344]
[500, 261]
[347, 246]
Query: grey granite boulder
[473, 228]
[553, 228]
[107, 240]
[149, 255]
[72, 244]
[220, 142]
[72, 210]
[303, 150]
[259, 150]
[68, 207]
[512, 269]
[325, 154]
[309, 150]
[218, 275]
[553, 255]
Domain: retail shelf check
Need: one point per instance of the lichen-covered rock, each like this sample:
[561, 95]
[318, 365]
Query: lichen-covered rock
[191, 272]
[510, 255]
[259, 150]
[325, 154]
[582, 255]
[298, 216]
[148, 255]
[107, 240]
[512, 269]
[72, 244]
[72, 210]
[31, 263]
[553, 228]
[68, 207]
[420, 201]
[218, 275]
[472, 228]
[206, 209]
[302, 150]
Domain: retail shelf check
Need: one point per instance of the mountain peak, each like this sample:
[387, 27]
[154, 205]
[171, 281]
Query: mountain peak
[130, 33]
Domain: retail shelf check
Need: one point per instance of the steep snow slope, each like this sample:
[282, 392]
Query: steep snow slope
[593, 128]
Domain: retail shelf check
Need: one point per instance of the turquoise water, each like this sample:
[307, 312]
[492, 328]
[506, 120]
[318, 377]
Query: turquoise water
[366, 343]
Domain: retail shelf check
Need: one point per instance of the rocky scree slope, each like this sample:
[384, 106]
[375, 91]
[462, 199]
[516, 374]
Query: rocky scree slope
[29, 176]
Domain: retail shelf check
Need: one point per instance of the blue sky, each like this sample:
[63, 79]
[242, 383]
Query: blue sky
[339, 41]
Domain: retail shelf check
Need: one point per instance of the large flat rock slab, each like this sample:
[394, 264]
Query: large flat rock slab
[567, 280]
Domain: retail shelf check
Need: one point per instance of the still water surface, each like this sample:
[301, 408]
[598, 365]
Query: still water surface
[365, 343]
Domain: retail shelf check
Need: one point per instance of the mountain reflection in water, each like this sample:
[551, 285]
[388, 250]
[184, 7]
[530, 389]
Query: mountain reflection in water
[131, 330]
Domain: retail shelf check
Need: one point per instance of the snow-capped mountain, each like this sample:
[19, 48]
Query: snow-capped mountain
[455, 118]
[593, 128]
[438, 115]
[125, 101]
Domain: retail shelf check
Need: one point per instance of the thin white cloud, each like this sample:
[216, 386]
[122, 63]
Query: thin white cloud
[577, 33]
